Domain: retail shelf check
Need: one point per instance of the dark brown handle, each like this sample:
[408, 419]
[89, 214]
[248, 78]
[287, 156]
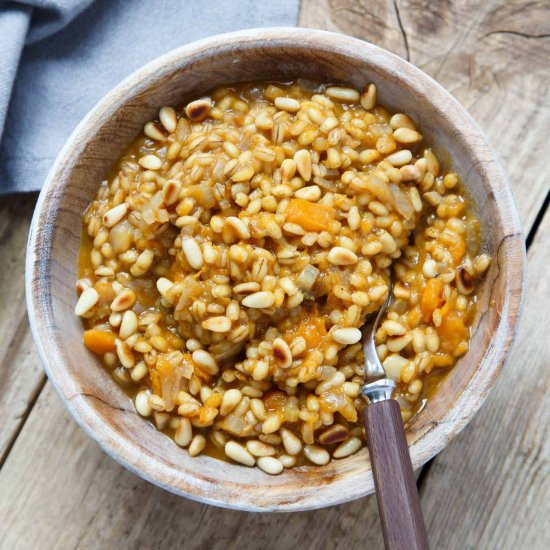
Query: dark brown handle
[398, 502]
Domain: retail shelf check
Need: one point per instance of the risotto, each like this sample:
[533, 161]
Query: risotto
[229, 261]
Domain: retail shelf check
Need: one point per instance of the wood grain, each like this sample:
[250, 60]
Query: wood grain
[491, 487]
[396, 493]
[21, 373]
[58, 487]
[494, 57]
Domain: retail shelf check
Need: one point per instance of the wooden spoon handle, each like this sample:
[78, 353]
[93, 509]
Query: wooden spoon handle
[396, 492]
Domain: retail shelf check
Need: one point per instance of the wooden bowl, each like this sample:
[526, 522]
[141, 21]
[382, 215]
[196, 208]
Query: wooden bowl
[95, 400]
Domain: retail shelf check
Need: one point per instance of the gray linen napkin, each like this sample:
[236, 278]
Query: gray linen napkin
[59, 57]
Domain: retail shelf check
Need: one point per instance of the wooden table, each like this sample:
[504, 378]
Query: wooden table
[489, 489]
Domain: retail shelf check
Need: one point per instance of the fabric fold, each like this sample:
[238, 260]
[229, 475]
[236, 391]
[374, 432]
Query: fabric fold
[77, 50]
[14, 24]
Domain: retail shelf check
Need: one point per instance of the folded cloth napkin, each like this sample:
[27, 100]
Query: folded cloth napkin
[59, 57]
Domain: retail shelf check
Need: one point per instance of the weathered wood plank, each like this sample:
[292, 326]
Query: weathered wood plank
[374, 20]
[58, 487]
[20, 369]
[490, 488]
[494, 57]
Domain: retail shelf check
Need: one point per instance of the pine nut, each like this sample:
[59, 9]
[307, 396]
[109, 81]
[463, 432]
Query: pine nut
[217, 324]
[393, 328]
[397, 343]
[246, 288]
[244, 174]
[151, 130]
[287, 104]
[258, 448]
[197, 445]
[163, 286]
[291, 442]
[258, 409]
[303, 162]
[429, 269]
[87, 300]
[231, 398]
[239, 454]
[192, 252]
[184, 433]
[418, 340]
[150, 162]
[406, 135]
[339, 255]
[170, 192]
[348, 95]
[310, 193]
[272, 422]
[168, 118]
[239, 227]
[347, 448]
[334, 434]
[198, 110]
[393, 365]
[206, 361]
[281, 353]
[259, 300]
[400, 158]
[481, 263]
[270, 465]
[288, 169]
[287, 461]
[369, 97]
[114, 215]
[316, 454]
[337, 379]
[139, 372]
[410, 173]
[141, 402]
[128, 325]
[124, 300]
[346, 336]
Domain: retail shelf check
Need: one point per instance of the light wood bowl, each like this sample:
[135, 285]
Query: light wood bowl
[95, 400]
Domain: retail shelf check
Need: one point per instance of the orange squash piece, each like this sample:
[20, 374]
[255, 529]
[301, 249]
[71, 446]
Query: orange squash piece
[457, 250]
[310, 216]
[442, 360]
[451, 332]
[431, 298]
[99, 341]
[312, 329]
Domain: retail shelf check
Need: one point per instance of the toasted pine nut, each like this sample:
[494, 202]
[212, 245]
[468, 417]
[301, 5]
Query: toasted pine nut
[217, 324]
[87, 300]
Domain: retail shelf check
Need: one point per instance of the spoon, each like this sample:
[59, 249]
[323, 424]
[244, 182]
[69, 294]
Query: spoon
[398, 503]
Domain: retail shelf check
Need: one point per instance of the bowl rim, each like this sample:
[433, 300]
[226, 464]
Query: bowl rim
[430, 443]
